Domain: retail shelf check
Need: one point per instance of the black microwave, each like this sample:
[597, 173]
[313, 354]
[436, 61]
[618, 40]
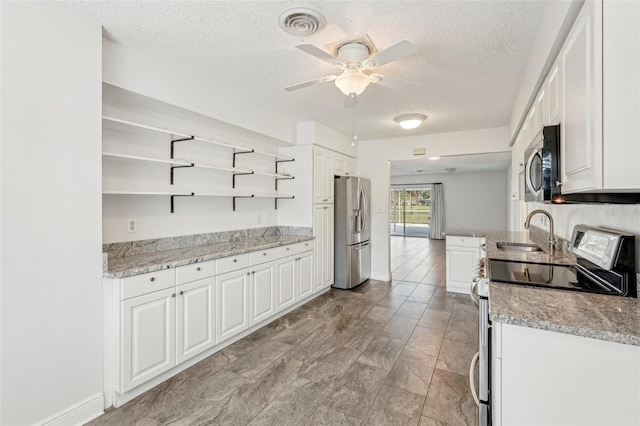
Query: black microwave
[542, 166]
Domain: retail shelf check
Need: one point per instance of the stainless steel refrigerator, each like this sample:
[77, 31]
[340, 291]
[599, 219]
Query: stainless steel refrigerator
[352, 245]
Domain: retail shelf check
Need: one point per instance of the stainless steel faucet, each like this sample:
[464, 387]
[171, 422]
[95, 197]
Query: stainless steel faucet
[552, 237]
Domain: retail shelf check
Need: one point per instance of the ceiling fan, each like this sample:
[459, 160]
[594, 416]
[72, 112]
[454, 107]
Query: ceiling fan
[357, 57]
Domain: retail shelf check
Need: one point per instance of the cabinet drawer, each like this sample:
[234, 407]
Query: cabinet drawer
[147, 283]
[262, 256]
[195, 271]
[305, 246]
[463, 241]
[232, 263]
[288, 250]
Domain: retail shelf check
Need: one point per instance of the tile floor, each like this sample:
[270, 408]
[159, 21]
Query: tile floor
[382, 354]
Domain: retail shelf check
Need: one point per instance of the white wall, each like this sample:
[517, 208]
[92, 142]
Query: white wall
[132, 70]
[51, 262]
[471, 200]
[311, 132]
[193, 215]
[373, 163]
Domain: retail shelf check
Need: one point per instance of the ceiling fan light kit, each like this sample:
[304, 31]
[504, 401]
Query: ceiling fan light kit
[352, 81]
[410, 121]
[302, 21]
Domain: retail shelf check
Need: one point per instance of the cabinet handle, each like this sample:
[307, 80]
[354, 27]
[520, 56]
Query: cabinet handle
[264, 254]
[198, 269]
[152, 279]
[253, 272]
[181, 292]
[235, 260]
[173, 295]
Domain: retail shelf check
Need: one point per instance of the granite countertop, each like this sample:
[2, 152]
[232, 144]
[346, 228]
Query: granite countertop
[610, 318]
[126, 266]
[559, 257]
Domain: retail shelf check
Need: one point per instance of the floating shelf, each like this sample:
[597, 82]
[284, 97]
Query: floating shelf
[175, 162]
[118, 192]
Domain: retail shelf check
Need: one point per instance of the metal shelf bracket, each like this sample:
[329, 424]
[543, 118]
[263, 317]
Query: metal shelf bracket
[241, 152]
[233, 178]
[240, 196]
[179, 140]
[179, 195]
[283, 178]
[283, 161]
[283, 198]
[177, 167]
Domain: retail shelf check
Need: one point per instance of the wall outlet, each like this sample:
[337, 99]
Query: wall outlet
[259, 221]
[131, 225]
[379, 209]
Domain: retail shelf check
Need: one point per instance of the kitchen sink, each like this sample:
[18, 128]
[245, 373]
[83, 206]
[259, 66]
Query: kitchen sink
[517, 247]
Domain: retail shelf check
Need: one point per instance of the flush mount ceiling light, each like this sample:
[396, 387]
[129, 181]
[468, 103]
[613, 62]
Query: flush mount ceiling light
[302, 21]
[410, 121]
[352, 81]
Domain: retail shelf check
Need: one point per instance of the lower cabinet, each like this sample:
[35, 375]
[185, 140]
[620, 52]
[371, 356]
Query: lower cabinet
[232, 291]
[195, 315]
[323, 224]
[263, 292]
[148, 337]
[463, 254]
[164, 318]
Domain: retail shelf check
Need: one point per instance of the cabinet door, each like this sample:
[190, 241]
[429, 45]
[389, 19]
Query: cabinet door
[460, 263]
[339, 167]
[327, 246]
[263, 294]
[232, 307]
[552, 85]
[350, 168]
[581, 140]
[304, 275]
[328, 179]
[286, 278]
[148, 337]
[319, 177]
[318, 232]
[195, 317]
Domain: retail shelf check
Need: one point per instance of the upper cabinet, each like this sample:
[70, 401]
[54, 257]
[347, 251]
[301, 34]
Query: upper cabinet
[581, 77]
[600, 99]
[326, 165]
[553, 96]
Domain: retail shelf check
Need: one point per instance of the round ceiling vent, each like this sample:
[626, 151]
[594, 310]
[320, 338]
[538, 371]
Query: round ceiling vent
[302, 21]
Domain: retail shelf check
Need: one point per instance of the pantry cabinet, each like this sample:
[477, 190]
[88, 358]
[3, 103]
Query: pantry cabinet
[323, 228]
[322, 176]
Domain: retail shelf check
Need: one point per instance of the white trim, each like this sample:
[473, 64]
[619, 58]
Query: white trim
[78, 414]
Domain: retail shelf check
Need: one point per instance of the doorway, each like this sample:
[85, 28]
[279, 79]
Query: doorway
[410, 211]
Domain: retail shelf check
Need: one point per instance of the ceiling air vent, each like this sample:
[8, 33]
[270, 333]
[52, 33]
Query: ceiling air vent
[302, 21]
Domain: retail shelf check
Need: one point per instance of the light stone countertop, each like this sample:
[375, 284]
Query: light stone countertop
[126, 266]
[597, 316]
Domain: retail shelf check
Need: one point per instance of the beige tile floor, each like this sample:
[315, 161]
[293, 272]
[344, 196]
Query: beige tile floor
[382, 354]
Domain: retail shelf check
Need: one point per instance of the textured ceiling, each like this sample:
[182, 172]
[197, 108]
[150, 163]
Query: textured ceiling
[460, 163]
[470, 61]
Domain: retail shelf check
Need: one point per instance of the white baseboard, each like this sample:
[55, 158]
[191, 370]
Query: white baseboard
[77, 414]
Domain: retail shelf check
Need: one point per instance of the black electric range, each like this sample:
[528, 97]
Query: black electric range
[605, 263]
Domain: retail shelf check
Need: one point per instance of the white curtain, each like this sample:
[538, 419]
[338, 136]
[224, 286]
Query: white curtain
[437, 212]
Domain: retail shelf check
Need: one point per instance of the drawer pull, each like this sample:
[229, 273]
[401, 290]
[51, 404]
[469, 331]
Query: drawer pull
[173, 295]
[198, 269]
[152, 279]
[181, 292]
[235, 260]
[264, 254]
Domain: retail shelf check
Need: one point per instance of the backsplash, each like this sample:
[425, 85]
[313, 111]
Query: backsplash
[131, 248]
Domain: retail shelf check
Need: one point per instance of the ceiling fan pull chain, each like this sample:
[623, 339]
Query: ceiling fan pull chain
[355, 135]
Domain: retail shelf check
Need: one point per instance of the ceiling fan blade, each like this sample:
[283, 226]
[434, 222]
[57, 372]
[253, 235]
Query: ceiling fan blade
[351, 101]
[320, 54]
[311, 83]
[395, 83]
[399, 50]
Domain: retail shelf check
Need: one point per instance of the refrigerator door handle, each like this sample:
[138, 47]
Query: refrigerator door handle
[361, 246]
[363, 208]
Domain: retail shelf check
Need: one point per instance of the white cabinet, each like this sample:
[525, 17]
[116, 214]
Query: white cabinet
[547, 378]
[322, 176]
[344, 166]
[263, 292]
[463, 254]
[232, 297]
[350, 167]
[553, 95]
[148, 337]
[195, 314]
[304, 275]
[286, 279]
[323, 228]
[581, 85]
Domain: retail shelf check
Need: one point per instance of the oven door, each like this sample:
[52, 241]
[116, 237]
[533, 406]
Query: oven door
[482, 359]
[533, 190]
